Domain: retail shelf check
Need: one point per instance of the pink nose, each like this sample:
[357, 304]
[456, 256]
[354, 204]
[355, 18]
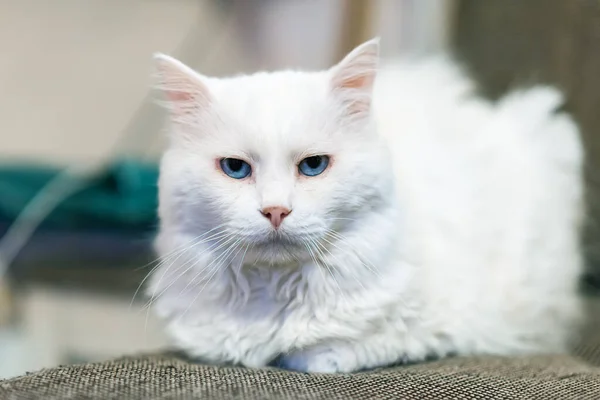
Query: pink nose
[275, 215]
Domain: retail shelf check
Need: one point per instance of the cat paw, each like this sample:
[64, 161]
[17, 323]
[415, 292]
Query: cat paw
[327, 360]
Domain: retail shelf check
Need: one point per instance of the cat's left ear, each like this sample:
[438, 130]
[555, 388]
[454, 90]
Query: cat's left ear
[354, 76]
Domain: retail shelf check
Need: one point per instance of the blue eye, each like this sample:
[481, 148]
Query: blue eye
[237, 169]
[313, 166]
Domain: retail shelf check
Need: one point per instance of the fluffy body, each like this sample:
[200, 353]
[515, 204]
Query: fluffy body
[444, 225]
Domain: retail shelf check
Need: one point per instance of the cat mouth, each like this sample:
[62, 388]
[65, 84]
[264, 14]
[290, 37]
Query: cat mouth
[276, 242]
[280, 245]
[280, 241]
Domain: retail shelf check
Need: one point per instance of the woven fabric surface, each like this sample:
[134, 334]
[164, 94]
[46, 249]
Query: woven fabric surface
[166, 376]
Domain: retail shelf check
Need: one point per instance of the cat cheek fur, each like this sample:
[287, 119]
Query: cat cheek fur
[465, 244]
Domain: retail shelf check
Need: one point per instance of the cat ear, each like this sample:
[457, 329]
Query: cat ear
[184, 88]
[354, 76]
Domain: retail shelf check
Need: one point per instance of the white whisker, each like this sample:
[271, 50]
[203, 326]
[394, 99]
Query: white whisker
[222, 241]
[341, 264]
[365, 262]
[217, 236]
[224, 261]
[230, 239]
[331, 273]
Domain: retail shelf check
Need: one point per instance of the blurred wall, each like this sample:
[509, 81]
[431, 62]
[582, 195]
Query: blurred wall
[72, 72]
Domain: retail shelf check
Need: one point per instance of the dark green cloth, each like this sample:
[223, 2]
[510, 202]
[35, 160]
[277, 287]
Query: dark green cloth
[124, 196]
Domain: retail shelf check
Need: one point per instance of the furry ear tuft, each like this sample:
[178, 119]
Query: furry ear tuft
[184, 89]
[354, 77]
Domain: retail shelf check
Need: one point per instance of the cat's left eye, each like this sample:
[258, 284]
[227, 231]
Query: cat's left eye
[313, 166]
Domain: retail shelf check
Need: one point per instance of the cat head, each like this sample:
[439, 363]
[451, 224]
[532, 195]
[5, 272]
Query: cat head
[271, 162]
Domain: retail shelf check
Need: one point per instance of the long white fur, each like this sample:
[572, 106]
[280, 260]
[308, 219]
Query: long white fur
[445, 224]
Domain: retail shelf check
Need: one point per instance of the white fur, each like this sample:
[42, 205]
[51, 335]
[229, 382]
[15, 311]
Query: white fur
[456, 219]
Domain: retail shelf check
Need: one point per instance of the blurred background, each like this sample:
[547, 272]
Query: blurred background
[80, 131]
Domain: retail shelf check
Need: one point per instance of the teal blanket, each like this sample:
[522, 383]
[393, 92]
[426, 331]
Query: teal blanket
[123, 197]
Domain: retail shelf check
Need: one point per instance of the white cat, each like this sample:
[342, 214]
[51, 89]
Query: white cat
[363, 216]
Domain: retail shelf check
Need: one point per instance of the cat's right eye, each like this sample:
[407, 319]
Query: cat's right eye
[313, 166]
[235, 168]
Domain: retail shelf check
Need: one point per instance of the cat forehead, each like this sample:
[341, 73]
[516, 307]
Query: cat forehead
[272, 99]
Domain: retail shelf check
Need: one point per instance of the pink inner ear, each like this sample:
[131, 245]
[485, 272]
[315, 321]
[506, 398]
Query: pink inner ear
[182, 104]
[359, 98]
[176, 96]
[183, 88]
[357, 82]
[354, 77]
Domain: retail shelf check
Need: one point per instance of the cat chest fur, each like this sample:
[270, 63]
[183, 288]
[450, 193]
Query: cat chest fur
[264, 312]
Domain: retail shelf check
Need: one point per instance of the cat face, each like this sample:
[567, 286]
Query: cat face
[273, 163]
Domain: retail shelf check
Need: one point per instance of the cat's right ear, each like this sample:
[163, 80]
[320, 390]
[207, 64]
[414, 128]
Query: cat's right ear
[354, 76]
[185, 90]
